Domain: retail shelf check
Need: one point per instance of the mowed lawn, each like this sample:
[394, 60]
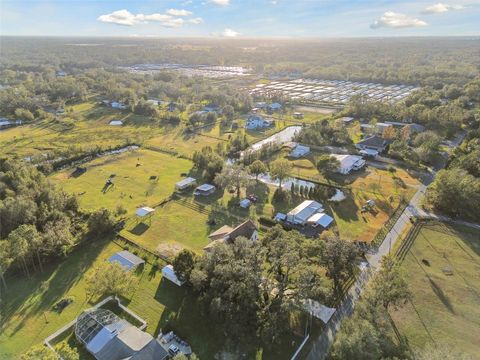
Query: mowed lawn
[172, 227]
[445, 308]
[133, 186]
[28, 316]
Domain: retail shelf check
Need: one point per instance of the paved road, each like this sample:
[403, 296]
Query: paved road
[321, 345]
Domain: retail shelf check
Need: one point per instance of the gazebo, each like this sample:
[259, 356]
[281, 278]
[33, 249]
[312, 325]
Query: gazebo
[144, 213]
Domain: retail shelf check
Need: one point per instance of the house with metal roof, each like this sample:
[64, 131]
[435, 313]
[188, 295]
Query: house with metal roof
[349, 163]
[303, 212]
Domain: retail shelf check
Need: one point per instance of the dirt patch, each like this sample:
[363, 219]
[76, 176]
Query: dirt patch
[168, 250]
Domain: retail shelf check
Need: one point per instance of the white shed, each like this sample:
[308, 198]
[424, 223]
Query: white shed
[169, 273]
[185, 183]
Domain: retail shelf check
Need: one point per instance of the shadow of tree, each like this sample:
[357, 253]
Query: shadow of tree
[29, 297]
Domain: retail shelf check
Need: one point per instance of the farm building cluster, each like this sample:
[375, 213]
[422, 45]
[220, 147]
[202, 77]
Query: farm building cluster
[208, 71]
[333, 91]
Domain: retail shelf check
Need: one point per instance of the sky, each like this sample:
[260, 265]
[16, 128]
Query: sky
[240, 18]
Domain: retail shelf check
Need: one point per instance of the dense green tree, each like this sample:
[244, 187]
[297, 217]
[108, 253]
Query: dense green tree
[339, 258]
[109, 279]
[257, 168]
[101, 222]
[183, 264]
[389, 287]
[39, 352]
[234, 176]
[280, 170]
[327, 165]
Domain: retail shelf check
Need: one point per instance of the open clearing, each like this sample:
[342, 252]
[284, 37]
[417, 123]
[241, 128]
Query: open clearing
[171, 228]
[133, 186]
[28, 316]
[445, 307]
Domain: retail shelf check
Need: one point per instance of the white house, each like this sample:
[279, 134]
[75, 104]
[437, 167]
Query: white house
[257, 122]
[349, 163]
[185, 183]
[299, 151]
[115, 123]
[169, 273]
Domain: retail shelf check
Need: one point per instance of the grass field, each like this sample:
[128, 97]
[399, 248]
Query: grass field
[84, 126]
[132, 184]
[445, 308]
[172, 228]
[28, 317]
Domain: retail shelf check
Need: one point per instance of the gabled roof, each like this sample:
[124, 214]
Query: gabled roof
[220, 233]
[246, 229]
[347, 161]
[373, 141]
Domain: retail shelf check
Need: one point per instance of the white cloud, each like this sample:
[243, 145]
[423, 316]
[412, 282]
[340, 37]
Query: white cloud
[196, 21]
[220, 2]
[391, 19]
[121, 17]
[178, 12]
[441, 8]
[230, 33]
[126, 18]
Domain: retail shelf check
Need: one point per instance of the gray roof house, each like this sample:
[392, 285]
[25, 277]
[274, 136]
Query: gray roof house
[373, 143]
[108, 337]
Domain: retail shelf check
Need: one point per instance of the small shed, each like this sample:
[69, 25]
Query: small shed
[115, 123]
[299, 151]
[185, 183]
[126, 259]
[204, 190]
[245, 203]
[169, 273]
[144, 211]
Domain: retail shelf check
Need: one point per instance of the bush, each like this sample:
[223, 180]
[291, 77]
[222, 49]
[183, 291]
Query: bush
[266, 221]
[282, 196]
